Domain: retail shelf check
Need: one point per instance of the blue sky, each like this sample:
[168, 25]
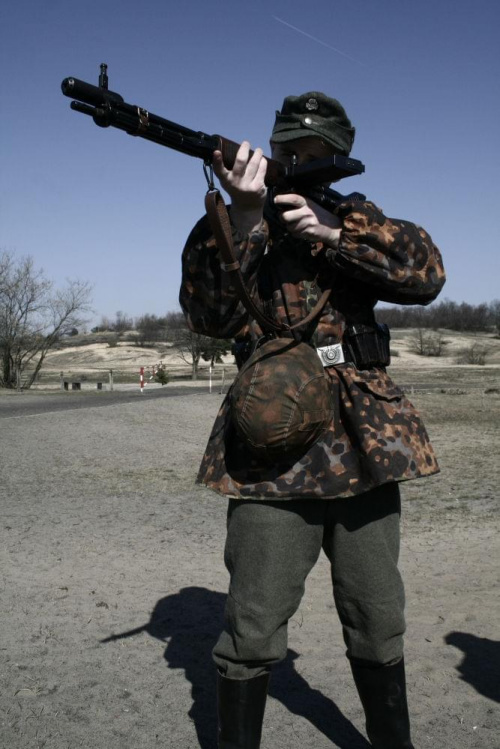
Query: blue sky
[420, 80]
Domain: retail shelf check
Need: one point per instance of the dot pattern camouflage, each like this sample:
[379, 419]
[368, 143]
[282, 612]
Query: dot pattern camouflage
[281, 401]
[376, 435]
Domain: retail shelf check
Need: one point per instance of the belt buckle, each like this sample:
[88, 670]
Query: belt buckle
[331, 355]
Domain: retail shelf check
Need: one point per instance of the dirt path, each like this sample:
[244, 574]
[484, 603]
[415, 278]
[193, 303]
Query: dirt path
[113, 587]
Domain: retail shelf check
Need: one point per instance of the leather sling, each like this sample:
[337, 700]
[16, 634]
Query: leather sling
[218, 218]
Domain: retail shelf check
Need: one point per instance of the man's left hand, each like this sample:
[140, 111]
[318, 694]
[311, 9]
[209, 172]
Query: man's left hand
[305, 219]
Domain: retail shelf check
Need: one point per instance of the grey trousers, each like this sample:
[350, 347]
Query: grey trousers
[272, 546]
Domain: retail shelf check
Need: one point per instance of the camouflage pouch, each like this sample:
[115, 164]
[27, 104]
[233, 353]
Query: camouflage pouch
[281, 401]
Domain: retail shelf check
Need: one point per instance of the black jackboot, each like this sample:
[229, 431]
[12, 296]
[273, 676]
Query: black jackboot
[240, 705]
[383, 695]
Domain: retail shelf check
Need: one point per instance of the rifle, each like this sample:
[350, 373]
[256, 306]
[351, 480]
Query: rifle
[108, 109]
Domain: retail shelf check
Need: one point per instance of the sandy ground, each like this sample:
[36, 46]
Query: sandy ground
[125, 359]
[113, 583]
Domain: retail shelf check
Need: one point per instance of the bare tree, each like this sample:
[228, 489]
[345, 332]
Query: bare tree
[175, 324]
[150, 329]
[494, 308]
[33, 316]
[190, 348]
[122, 322]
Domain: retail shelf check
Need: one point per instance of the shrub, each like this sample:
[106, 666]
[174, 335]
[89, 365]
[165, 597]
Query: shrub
[427, 342]
[162, 376]
[473, 354]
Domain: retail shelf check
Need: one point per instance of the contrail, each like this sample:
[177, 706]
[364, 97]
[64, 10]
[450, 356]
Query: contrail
[315, 39]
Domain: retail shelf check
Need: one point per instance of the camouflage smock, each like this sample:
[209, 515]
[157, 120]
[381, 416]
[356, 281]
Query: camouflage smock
[377, 435]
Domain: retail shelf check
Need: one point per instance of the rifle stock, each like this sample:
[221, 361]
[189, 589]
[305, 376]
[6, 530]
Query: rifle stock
[109, 109]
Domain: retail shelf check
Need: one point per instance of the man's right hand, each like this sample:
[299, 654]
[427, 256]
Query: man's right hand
[245, 185]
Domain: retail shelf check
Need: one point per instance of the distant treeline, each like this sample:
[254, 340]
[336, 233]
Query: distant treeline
[445, 314]
[148, 328]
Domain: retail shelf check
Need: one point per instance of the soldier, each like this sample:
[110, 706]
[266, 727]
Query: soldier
[342, 495]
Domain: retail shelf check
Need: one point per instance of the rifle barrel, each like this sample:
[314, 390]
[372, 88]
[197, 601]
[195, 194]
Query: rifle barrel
[108, 108]
[89, 94]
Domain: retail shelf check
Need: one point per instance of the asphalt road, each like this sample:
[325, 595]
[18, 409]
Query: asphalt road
[16, 405]
[31, 403]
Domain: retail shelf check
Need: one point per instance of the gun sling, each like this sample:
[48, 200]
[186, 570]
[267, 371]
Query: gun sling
[218, 218]
[366, 346]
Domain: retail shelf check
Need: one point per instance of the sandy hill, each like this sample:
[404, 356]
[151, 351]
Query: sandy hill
[96, 357]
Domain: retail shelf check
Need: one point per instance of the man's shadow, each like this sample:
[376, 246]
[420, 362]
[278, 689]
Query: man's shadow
[190, 622]
[481, 663]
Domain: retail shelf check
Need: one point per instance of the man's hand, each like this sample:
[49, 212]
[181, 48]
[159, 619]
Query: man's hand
[245, 185]
[305, 219]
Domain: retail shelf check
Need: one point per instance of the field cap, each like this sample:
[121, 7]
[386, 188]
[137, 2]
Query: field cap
[314, 113]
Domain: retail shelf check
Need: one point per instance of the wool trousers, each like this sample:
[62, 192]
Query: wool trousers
[270, 549]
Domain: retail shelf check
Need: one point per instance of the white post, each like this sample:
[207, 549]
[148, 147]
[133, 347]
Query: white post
[210, 378]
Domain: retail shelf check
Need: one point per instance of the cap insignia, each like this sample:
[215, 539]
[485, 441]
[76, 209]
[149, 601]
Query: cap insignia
[312, 104]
